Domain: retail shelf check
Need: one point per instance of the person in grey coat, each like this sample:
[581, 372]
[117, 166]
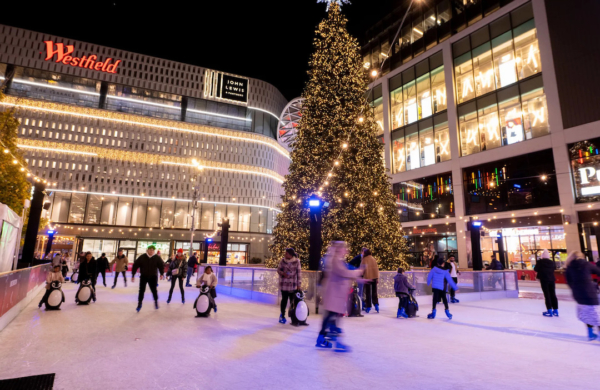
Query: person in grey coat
[402, 287]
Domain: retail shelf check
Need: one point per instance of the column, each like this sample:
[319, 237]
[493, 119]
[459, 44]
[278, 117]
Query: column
[387, 139]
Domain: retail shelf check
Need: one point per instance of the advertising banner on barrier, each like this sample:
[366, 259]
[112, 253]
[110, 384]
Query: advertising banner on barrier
[14, 291]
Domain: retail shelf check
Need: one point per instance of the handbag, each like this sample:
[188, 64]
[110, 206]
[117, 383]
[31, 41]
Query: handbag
[175, 272]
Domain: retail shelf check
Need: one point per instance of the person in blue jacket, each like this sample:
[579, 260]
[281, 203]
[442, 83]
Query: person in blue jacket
[436, 278]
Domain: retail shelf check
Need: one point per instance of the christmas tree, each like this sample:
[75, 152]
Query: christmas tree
[337, 156]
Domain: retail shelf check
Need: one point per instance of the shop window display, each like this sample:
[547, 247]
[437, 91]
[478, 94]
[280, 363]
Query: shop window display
[585, 168]
[427, 198]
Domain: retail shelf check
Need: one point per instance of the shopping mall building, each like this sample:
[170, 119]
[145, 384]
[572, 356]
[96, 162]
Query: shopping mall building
[489, 112]
[117, 135]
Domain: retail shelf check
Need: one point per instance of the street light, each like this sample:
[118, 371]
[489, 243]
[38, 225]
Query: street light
[316, 241]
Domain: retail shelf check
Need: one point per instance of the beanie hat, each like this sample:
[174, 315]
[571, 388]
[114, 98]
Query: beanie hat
[179, 250]
[545, 254]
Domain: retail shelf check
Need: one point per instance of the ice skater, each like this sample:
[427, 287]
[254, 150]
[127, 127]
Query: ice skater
[177, 270]
[402, 287]
[55, 275]
[545, 273]
[87, 271]
[371, 272]
[289, 271]
[102, 266]
[436, 279]
[120, 262]
[209, 279]
[337, 280]
[454, 272]
[148, 263]
[579, 278]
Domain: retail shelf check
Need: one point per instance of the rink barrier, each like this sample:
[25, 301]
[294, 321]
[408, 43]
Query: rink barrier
[262, 284]
[18, 288]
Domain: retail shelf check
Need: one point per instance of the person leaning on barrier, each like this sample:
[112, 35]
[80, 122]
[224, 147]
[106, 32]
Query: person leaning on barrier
[289, 270]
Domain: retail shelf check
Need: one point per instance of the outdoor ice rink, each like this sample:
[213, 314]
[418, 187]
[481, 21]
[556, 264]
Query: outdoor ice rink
[496, 344]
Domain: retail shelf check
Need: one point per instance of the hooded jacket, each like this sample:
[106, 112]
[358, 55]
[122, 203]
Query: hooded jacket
[437, 276]
[545, 270]
[401, 284]
[579, 278]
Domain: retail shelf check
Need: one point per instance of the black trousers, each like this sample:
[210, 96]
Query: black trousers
[174, 279]
[285, 295]
[151, 281]
[103, 273]
[371, 297]
[64, 271]
[549, 289]
[329, 319]
[117, 277]
[437, 294]
[452, 292]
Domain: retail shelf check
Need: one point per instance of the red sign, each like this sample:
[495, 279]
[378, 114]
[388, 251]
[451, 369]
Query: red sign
[63, 54]
[424, 230]
[215, 246]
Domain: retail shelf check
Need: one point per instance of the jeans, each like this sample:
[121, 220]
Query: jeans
[284, 300]
[452, 292]
[402, 300]
[549, 289]
[103, 273]
[151, 281]
[117, 277]
[174, 279]
[437, 294]
[329, 319]
[189, 275]
[371, 297]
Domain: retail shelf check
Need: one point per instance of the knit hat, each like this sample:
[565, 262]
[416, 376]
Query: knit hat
[179, 250]
[545, 254]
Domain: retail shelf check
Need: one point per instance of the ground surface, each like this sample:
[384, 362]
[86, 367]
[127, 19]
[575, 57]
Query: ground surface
[498, 344]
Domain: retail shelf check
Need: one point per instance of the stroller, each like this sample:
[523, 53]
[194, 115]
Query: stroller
[411, 307]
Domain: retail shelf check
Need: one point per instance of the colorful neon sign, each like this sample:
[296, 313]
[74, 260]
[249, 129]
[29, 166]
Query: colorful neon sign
[63, 55]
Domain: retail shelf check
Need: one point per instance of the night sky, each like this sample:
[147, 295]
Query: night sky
[265, 39]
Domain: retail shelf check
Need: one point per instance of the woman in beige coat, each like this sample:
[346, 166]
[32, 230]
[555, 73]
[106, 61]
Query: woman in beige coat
[371, 272]
[121, 262]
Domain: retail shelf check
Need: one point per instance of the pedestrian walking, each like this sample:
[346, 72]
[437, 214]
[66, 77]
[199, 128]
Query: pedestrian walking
[191, 263]
[209, 279]
[579, 278]
[102, 264]
[177, 270]
[371, 273]
[402, 288]
[87, 271]
[149, 264]
[54, 275]
[545, 273]
[454, 272]
[120, 262]
[289, 271]
[336, 285]
[436, 278]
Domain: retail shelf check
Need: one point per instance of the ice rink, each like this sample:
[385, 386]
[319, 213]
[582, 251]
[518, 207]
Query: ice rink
[496, 344]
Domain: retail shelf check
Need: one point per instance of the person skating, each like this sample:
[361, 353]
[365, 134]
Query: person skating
[545, 273]
[337, 280]
[289, 271]
[436, 278]
[191, 263]
[87, 271]
[64, 265]
[371, 273]
[148, 264]
[102, 266]
[120, 262]
[402, 288]
[209, 279]
[55, 275]
[177, 270]
[579, 278]
[355, 263]
[454, 272]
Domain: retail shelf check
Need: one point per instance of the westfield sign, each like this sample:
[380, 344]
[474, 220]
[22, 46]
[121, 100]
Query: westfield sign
[63, 54]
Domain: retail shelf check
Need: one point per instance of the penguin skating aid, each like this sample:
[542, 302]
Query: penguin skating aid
[299, 310]
[56, 296]
[85, 293]
[75, 276]
[204, 303]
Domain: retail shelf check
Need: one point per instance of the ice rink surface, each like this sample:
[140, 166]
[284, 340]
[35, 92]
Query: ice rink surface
[497, 344]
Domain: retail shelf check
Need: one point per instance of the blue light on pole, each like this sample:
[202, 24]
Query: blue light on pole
[476, 223]
[314, 203]
[209, 240]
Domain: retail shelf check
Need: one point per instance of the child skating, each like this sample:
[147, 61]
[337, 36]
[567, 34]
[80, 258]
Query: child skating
[436, 278]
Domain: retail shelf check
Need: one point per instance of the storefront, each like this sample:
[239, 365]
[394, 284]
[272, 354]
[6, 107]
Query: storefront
[236, 253]
[424, 243]
[131, 248]
[425, 198]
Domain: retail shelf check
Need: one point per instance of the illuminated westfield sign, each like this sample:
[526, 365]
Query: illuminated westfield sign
[63, 54]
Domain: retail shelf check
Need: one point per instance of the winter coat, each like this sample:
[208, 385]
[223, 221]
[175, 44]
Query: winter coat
[370, 266]
[437, 276]
[192, 261]
[178, 263]
[102, 264]
[356, 261]
[545, 270]
[209, 280]
[401, 284]
[289, 274]
[579, 278]
[495, 265]
[148, 266]
[87, 270]
[52, 277]
[121, 263]
[337, 284]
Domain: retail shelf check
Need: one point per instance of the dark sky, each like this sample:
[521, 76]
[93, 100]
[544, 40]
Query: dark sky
[267, 39]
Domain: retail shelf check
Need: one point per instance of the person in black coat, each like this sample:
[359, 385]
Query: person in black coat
[579, 278]
[545, 273]
[148, 264]
[102, 266]
[87, 271]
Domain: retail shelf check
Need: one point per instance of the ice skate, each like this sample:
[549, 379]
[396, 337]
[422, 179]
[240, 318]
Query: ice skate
[339, 347]
[555, 312]
[377, 308]
[282, 319]
[547, 313]
[432, 315]
[591, 335]
[448, 314]
[322, 343]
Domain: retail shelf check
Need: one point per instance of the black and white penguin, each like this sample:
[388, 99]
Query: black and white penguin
[85, 293]
[75, 276]
[204, 303]
[354, 303]
[299, 310]
[56, 297]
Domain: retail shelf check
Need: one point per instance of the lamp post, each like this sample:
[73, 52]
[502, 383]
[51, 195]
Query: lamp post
[316, 241]
[195, 196]
[475, 230]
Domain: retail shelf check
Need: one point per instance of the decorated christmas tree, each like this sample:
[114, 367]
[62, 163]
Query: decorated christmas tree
[337, 156]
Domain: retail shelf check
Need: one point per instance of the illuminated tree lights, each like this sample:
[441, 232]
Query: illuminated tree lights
[337, 156]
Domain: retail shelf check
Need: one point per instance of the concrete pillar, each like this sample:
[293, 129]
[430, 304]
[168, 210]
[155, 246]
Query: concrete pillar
[387, 138]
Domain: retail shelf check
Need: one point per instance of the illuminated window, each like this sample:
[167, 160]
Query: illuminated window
[504, 60]
[424, 100]
[397, 110]
[511, 121]
[427, 143]
[463, 71]
[438, 89]
[483, 69]
[527, 50]
[535, 109]
[410, 103]
[378, 113]
[469, 132]
[413, 155]
[489, 131]
[398, 152]
[442, 138]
